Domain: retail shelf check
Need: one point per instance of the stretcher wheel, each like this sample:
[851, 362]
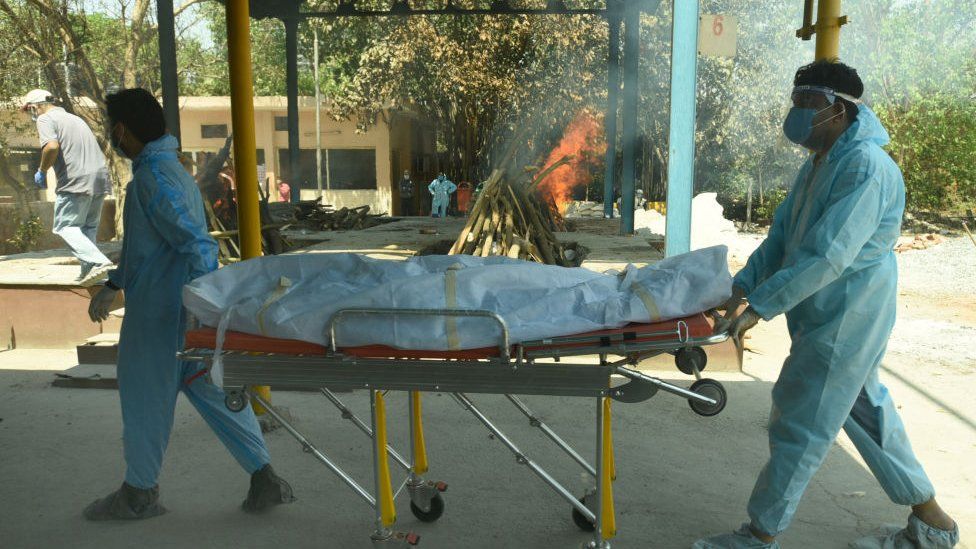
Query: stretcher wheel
[235, 401]
[582, 522]
[435, 512]
[711, 389]
[689, 358]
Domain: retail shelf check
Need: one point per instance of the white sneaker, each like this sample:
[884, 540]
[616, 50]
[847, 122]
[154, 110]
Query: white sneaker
[98, 274]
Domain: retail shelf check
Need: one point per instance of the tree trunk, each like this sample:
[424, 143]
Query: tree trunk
[136, 37]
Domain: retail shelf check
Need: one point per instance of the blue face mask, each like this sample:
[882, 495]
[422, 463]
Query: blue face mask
[798, 126]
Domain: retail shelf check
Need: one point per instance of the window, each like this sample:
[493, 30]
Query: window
[352, 168]
[342, 169]
[213, 131]
[281, 123]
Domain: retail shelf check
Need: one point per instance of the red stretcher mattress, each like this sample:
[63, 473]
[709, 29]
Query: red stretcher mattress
[699, 327]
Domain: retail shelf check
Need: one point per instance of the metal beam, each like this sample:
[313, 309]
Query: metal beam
[630, 104]
[681, 149]
[167, 66]
[291, 85]
[353, 12]
[613, 90]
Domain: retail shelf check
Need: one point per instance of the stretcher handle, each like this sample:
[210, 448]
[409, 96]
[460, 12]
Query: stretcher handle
[503, 347]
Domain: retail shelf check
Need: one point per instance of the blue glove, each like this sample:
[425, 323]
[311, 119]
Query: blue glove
[40, 180]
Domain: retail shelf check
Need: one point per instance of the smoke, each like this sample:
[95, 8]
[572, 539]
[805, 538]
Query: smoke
[584, 142]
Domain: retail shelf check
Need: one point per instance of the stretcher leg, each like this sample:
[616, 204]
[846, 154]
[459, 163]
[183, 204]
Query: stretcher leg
[602, 481]
[383, 536]
[310, 448]
[522, 459]
[348, 414]
[426, 502]
[536, 422]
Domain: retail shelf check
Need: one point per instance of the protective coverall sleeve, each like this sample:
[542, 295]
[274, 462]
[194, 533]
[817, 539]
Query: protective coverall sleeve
[769, 255]
[451, 187]
[831, 245]
[430, 188]
[167, 209]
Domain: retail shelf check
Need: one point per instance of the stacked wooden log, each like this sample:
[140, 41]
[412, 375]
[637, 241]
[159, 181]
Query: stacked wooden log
[510, 219]
[323, 217]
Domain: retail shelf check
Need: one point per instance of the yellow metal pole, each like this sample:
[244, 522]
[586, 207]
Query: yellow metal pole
[828, 26]
[419, 445]
[607, 515]
[384, 498]
[245, 155]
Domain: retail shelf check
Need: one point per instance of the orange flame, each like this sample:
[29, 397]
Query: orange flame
[584, 141]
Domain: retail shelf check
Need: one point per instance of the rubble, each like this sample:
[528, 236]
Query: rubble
[918, 242]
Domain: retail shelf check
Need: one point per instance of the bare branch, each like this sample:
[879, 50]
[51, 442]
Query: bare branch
[186, 5]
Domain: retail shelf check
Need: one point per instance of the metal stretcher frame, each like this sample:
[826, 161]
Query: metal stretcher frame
[507, 370]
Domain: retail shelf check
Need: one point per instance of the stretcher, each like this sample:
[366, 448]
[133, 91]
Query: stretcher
[250, 360]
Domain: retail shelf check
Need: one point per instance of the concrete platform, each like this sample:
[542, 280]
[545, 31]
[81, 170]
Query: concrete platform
[413, 235]
[41, 304]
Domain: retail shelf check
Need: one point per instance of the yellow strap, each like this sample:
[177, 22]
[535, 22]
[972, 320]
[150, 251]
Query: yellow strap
[450, 295]
[419, 446]
[385, 489]
[608, 521]
[648, 302]
[283, 284]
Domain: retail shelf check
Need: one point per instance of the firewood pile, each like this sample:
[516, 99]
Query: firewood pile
[323, 217]
[215, 180]
[511, 219]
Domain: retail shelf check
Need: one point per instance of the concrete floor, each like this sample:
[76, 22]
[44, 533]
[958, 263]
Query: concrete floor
[680, 476]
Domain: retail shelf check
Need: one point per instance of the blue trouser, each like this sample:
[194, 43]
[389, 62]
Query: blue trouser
[148, 396]
[438, 207]
[76, 218]
[812, 401]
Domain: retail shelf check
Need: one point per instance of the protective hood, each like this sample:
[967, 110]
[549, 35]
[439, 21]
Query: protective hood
[165, 144]
[867, 127]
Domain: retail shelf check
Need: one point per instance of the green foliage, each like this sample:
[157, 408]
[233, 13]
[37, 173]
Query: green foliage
[934, 143]
[765, 211]
[29, 229]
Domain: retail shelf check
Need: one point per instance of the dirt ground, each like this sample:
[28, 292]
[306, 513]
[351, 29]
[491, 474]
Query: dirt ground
[680, 476]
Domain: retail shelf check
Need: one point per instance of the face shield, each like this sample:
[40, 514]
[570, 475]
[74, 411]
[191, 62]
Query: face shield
[799, 125]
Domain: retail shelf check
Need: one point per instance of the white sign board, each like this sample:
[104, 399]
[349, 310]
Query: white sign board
[717, 35]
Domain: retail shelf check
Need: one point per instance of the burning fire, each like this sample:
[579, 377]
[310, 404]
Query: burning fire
[585, 142]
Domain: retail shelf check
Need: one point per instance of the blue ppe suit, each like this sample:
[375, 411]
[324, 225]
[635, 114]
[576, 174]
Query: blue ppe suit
[828, 264]
[166, 245]
[441, 188]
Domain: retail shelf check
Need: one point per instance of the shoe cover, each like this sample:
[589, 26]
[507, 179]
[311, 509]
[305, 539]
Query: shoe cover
[917, 535]
[126, 503]
[739, 539]
[267, 489]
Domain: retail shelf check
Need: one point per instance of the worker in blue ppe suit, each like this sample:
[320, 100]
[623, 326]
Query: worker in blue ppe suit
[828, 264]
[441, 189]
[166, 245]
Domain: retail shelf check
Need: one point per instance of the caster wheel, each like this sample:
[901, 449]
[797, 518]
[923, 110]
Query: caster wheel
[711, 389]
[582, 522]
[235, 402]
[435, 512]
[689, 358]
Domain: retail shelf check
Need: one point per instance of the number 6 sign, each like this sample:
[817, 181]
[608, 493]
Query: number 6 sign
[717, 35]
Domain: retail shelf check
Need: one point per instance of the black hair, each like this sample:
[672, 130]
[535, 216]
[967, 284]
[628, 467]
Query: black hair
[138, 111]
[835, 75]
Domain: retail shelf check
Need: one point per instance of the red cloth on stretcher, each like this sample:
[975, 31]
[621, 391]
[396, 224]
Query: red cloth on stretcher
[206, 338]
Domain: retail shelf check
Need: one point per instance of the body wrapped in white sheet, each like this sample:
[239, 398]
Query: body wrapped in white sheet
[294, 296]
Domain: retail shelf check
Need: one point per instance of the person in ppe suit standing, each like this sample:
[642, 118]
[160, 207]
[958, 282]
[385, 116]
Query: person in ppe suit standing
[166, 245]
[828, 264]
[441, 189]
